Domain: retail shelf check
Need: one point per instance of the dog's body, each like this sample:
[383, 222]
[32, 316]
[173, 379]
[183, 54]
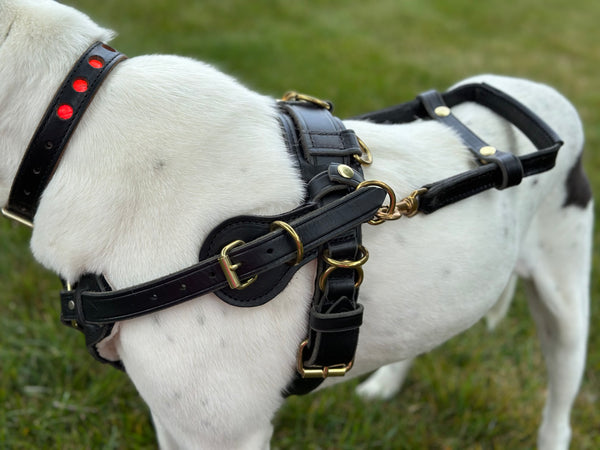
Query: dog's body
[170, 147]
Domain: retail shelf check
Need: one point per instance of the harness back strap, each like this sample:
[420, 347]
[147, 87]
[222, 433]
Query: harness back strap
[55, 129]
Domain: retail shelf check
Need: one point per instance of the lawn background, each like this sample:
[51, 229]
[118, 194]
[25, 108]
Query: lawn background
[479, 391]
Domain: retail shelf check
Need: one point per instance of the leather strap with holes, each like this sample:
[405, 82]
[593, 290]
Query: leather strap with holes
[55, 129]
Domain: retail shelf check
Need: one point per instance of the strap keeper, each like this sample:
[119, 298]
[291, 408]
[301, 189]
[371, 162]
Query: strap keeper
[336, 322]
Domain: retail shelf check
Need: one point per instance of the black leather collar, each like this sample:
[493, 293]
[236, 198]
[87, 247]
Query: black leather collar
[56, 127]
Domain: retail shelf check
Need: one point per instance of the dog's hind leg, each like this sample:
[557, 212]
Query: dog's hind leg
[558, 265]
[385, 382]
[499, 310]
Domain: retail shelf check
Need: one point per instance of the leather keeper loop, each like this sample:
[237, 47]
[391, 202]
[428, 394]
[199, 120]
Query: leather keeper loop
[336, 322]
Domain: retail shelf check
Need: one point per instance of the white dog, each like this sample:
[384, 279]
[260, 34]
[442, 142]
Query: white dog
[170, 147]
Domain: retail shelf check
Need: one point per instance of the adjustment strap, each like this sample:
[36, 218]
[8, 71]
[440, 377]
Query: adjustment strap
[55, 129]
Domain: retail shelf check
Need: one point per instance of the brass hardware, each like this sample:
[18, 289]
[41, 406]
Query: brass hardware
[366, 158]
[488, 150]
[344, 264]
[339, 370]
[345, 171]
[229, 268]
[10, 215]
[296, 96]
[299, 246]
[382, 214]
[407, 207]
[442, 111]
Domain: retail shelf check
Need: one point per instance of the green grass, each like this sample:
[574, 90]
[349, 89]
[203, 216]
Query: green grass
[479, 391]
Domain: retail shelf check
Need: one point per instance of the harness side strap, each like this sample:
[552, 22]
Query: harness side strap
[254, 258]
[55, 129]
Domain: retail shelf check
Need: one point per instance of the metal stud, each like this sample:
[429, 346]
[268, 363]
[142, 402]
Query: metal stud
[488, 150]
[345, 171]
[442, 111]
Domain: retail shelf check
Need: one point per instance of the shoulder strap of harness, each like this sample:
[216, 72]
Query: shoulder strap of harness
[328, 157]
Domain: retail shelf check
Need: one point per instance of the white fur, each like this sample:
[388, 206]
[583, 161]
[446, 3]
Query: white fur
[170, 147]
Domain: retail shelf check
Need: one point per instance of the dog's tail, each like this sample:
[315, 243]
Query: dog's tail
[499, 310]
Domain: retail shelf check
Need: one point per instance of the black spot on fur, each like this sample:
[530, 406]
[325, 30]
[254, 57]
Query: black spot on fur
[579, 192]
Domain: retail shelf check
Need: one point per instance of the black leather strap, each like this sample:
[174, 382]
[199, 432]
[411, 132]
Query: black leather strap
[58, 124]
[490, 175]
[255, 258]
[321, 143]
[509, 164]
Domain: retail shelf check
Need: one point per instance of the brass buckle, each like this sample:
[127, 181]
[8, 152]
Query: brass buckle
[339, 370]
[290, 230]
[344, 264]
[10, 215]
[298, 97]
[229, 269]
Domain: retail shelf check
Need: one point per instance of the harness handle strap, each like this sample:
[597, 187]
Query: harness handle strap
[509, 164]
[55, 129]
[466, 184]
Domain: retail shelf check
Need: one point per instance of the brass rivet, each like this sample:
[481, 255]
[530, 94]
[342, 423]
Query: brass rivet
[345, 171]
[442, 111]
[488, 150]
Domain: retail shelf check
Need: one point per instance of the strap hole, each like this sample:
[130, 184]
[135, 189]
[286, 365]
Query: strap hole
[270, 251]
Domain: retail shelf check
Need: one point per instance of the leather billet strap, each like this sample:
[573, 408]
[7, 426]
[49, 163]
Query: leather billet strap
[491, 174]
[55, 129]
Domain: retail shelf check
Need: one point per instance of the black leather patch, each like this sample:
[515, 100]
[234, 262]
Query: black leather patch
[579, 191]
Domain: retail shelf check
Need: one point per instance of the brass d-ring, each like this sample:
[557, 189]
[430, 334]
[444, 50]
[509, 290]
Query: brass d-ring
[299, 247]
[386, 210]
[366, 158]
[344, 264]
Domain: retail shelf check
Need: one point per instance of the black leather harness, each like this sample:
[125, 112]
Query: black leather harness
[247, 260]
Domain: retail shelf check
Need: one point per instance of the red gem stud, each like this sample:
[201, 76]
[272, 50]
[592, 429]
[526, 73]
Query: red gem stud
[96, 62]
[80, 85]
[64, 112]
